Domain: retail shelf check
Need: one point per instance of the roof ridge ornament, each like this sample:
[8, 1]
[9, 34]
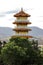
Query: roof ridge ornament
[21, 9]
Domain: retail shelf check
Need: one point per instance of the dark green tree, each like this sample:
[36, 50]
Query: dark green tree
[21, 51]
[1, 61]
[0, 46]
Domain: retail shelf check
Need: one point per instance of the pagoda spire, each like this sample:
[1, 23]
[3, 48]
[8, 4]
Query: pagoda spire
[21, 9]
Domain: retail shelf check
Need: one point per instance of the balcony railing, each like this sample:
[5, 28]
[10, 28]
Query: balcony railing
[21, 34]
[22, 20]
[22, 27]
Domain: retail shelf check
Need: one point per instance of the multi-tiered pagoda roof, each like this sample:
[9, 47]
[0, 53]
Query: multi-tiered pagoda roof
[23, 25]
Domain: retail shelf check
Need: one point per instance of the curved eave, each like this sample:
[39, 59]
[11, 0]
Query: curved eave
[21, 15]
[22, 22]
[21, 29]
[22, 36]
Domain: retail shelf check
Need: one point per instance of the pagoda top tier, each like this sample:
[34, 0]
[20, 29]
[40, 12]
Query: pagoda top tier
[21, 14]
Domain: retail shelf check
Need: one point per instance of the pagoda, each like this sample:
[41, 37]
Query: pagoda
[21, 29]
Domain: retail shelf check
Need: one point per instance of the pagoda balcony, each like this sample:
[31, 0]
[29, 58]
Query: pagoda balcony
[22, 27]
[22, 20]
[21, 34]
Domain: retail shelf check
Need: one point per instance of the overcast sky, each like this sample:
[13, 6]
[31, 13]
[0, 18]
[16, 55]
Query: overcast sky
[9, 7]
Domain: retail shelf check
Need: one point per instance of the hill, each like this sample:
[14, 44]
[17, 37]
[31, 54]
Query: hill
[37, 32]
[6, 32]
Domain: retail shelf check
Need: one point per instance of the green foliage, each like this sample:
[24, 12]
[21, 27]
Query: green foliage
[1, 60]
[21, 51]
[0, 46]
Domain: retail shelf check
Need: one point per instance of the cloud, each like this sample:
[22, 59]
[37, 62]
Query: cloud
[11, 19]
[10, 12]
[3, 14]
[40, 16]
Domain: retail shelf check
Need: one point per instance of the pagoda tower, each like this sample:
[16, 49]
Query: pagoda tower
[21, 29]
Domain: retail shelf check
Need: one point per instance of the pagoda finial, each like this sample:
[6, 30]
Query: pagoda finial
[21, 9]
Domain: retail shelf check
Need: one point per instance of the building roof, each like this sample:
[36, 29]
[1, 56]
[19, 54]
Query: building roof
[22, 36]
[21, 29]
[21, 14]
[22, 23]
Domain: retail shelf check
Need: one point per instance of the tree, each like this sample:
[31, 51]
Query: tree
[0, 46]
[20, 51]
[1, 61]
[4, 42]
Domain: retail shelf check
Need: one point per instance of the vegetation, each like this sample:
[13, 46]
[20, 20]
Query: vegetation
[21, 51]
[1, 46]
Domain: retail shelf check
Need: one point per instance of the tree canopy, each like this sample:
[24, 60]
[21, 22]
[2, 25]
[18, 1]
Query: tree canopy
[21, 51]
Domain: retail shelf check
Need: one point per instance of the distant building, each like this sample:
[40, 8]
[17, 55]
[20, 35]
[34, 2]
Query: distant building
[21, 22]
